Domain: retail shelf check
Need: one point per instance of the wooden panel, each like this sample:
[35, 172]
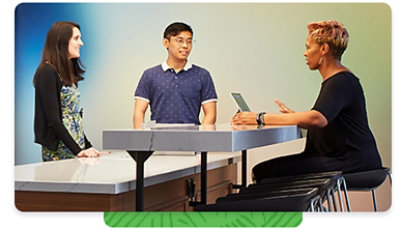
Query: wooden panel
[50, 201]
[168, 196]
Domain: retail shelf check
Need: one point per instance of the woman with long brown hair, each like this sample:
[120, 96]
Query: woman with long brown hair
[58, 125]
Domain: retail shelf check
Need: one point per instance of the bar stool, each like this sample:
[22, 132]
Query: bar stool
[316, 203]
[311, 203]
[289, 193]
[337, 182]
[367, 181]
[294, 200]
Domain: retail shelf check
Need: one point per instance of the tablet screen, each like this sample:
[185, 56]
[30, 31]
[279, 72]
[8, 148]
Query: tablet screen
[241, 104]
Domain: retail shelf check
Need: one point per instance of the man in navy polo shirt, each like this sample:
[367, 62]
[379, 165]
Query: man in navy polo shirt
[176, 89]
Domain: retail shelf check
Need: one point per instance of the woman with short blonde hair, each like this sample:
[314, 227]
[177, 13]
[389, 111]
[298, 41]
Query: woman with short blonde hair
[338, 137]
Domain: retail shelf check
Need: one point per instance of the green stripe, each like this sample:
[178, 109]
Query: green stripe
[203, 219]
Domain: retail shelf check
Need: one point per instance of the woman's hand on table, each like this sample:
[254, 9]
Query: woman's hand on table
[244, 118]
[91, 153]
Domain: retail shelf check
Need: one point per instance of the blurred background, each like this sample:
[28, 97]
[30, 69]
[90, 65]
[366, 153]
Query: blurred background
[253, 48]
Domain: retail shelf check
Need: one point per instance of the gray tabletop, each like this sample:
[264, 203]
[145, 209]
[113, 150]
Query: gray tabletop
[203, 138]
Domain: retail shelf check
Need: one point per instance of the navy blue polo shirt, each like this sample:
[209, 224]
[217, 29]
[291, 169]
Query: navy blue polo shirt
[176, 97]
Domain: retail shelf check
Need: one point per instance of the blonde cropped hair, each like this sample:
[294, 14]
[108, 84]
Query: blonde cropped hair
[331, 32]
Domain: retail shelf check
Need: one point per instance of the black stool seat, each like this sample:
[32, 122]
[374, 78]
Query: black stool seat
[326, 189]
[289, 193]
[367, 180]
[293, 202]
[256, 188]
[332, 175]
[273, 193]
[322, 186]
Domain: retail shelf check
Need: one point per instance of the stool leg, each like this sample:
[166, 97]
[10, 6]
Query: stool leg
[344, 186]
[315, 204]
[334, 201]
[347, 200]
[374, 197]
[311, 206]
[340, 199]
[390, 177]
[329, 193]
[322, 209]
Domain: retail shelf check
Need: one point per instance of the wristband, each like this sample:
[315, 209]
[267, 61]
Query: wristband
[260, 118]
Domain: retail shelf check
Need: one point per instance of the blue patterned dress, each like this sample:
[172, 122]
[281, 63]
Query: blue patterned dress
[72, 120]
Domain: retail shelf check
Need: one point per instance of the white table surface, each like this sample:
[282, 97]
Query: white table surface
[113, 173]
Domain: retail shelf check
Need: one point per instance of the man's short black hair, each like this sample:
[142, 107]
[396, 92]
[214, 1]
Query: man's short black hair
[176, 28]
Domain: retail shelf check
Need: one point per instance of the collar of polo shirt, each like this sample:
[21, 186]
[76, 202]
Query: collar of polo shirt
[165, 66]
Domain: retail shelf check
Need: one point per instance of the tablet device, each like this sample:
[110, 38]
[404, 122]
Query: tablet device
[240, 102]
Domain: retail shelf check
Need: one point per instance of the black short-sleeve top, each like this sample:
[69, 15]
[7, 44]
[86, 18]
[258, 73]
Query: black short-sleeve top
[347, 138]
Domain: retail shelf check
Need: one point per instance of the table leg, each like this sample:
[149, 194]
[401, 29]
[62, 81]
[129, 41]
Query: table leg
[243, 171]
[244, 168]
[203, 178]
[140, 157]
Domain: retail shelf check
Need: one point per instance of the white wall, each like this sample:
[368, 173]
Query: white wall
[254, 48]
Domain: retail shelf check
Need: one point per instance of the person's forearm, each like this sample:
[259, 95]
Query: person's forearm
[210, 113]
[311, 119]
[63, 135]
[139, 113]
[138, 120]
[209, 119]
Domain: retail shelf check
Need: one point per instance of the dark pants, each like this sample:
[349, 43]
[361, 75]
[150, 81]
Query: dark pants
[292, 165]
